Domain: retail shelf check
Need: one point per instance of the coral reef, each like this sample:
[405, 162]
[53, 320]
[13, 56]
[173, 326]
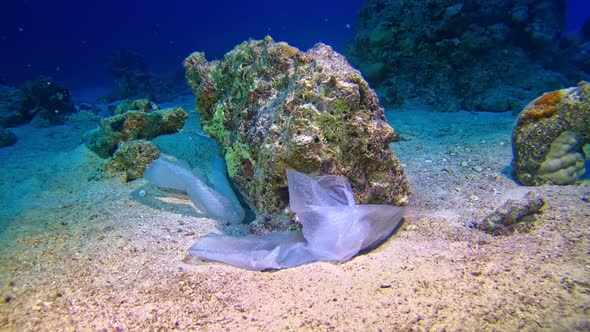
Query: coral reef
[6, 137]
[272, 107]
[45, 102]
[10, 107]
[142, 105]
[476, 55]
[549, 136]
[131, 74]
[132, 125]
[133, 158]
[42, 102]
[134, 79]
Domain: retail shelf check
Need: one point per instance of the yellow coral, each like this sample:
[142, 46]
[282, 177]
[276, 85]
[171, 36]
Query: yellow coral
[287, 49]
[564, 164]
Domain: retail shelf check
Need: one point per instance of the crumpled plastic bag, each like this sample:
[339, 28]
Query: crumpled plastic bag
[217, 200]
[335, 228]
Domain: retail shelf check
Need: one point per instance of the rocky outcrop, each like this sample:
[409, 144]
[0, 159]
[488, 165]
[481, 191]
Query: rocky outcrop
[142, 105]
[10, 107]
[132, 125]
[514, 215]
[45, 102]
[272, 107]
[133, 158]
[549, 137]
[134, 79]
[7, 138]
[42, 102]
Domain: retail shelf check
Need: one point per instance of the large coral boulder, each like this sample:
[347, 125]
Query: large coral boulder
[272, 107]
[549, 137]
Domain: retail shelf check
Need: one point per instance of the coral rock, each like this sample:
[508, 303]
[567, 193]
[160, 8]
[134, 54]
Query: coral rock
[272, 107]
[142, 105]
[513, 215]
[45, 102]
[6, 138]
[133, 158]
[133, 125]
[134, 79]
[549, 137]
[10, 107]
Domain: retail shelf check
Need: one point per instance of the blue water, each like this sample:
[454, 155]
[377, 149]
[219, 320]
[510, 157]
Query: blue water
[70, 40]
[578, 12]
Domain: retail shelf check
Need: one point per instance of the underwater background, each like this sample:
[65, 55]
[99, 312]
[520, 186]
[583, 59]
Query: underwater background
[71, 41]
[469, 118]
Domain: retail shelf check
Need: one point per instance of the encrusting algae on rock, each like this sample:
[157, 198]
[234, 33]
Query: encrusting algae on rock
[134, 124]
[272, 107]
[124, 138]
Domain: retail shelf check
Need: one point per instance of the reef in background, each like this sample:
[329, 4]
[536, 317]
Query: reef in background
[133, 79]
[475, 55]
[43, 102]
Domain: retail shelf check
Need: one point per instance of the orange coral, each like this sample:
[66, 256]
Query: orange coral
[544, 106]
[541, 111]
[549, 98]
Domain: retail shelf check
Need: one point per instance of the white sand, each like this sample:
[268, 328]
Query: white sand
[80, 254]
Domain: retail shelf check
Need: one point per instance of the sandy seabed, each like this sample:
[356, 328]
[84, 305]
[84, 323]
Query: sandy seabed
[81, 253]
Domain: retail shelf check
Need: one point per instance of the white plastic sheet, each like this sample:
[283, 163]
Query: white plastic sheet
[334, 228]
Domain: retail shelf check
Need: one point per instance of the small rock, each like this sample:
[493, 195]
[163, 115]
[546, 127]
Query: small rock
[513, 215]
[6, 138]
[133, 125]
[133, 158]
